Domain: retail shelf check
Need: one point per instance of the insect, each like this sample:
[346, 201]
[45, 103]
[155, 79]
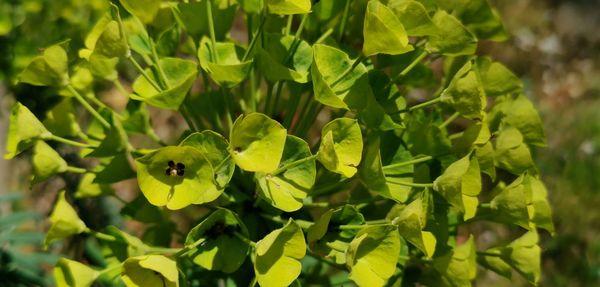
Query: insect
[175, 169]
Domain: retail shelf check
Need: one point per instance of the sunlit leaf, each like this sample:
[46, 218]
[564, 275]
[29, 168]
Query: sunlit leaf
[460, 184]
[214, 147]
[46, 162]
[49, 69]
[256, 143]
[23, 130]
[383, 31]
[277, 256]
[223, 63]
[73, 274]
[64, 221]
[150, 270]
[288, 7]
[341, 146]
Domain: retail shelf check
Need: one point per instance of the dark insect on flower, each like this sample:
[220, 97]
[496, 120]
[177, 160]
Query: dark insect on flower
[175, 169]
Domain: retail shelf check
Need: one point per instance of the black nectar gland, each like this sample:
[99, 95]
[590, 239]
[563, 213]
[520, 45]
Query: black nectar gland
[175, 169]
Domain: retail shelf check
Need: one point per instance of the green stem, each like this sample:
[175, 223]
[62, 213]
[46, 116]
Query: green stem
[324, 260]
[291, 109]
[222, 162]
[294, 164]
[76, 169]
[485, 205]
[87, 106]
[405, 163]
[344, 21]
[324, 36]
[425, 104]
[161, 72]
[164, 250]
[348, 70]
[411, 184]
[144, 74]
[67, 141]
[102, 236]
[120, 87]
[186, 116]
[211, 30]
[244, 239]
[449, 120]
[268, 98]
[288, 27]
[186, 249]
[410, 66]
[301, 26]
[277, 97]
[485, 253]
[228, 107]
[316, 204]
[254, 39]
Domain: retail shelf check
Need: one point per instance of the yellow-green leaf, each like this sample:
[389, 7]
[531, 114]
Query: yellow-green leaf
[69, 273]
[383, 31]
[64, 221]
[341, 146]
[256, 143]
[150, 270]
[23, 130]
[460, 184]
[46, 162]
[288, 7]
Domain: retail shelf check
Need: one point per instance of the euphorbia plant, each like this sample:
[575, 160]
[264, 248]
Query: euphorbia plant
[342, 140]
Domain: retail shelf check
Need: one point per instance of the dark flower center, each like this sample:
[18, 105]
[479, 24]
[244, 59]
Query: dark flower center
[175, 169]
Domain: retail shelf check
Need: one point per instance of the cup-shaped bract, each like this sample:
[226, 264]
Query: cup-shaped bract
[73, 274]
[150, 270]
[219, 247]
[176, 177]
[24, 129]
[256, 142]
[64, 221]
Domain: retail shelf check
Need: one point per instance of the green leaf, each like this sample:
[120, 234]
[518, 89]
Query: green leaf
[485, 157]
[46, 162]
[373, 254]
[465, 94]
[222, 11]
[341, 146]
[73, 274]
[221, 249]
[460, 184]
[140, 210]
[61, 120]
[114, 170]
[476, 135]
[452, 39]
[383, 31]
[49, 69]
[125, 246]
[512, 154]
[287, 190]
[214, 147]
[145, 10]
[481, 19]
[180, 75]
[224, 65]
[542, 215]
[349, 92]
[256, 143]
[64, 221]
[115, 142]
[106, 39]
[510, 205]
[324, 234]
[521, 114]
[24, 129]
[194, 186]
[458, 267]
[150, 270]
[372, 174]
[288, 7]
[414, 17]
[136, 118]
[277, 256]
[523, 254]
[497, 80]
[284, 57]
[89, 188]
[411, 221]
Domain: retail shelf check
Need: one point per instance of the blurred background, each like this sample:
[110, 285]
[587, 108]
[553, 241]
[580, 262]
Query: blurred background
[555, 49]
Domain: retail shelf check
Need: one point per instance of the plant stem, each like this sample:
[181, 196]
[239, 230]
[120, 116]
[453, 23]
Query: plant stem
[411, 184]
[87, 106]
[288, 27]
[485, 253]
[270, 88]
[161, 72]
[211, 30]
[301, 26]
[425, 104]
[291, 110]
[348, 70]
[76, 169]
[294, 164]
[405, 163]
[228, 107]
[102, 236]
[253, 41]
[324, 36]
[409, 68]
[244, 239]
[163, 250]
[186, 116]
[344, 21]
[449, 120]
[316, 204]
[144, 74]
[277, 97]
[120, 87]
[67, 141]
